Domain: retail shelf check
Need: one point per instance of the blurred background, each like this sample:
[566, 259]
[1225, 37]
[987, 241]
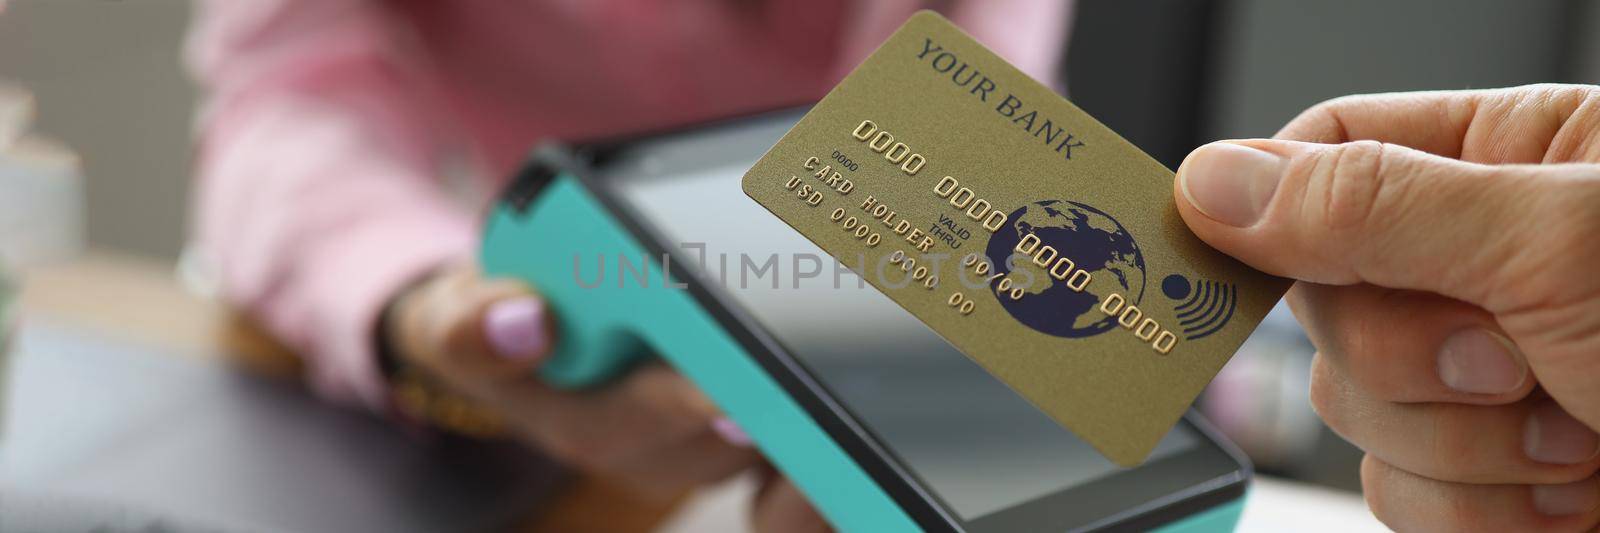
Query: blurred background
[95, 133]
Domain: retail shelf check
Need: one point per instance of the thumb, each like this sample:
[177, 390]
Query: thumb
[474, 331]
[1366, 212]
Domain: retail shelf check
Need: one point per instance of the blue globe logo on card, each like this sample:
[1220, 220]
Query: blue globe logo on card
[1093, 240]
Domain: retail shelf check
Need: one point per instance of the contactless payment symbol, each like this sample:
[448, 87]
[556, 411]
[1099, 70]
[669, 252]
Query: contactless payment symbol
[1205, 306]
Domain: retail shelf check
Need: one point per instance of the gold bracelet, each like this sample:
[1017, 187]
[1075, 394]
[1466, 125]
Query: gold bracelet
[420, 397]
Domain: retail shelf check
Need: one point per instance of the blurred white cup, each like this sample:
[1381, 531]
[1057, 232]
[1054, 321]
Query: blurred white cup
[41, 189]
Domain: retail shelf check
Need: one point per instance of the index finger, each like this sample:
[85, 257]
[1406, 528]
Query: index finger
[1490, 126]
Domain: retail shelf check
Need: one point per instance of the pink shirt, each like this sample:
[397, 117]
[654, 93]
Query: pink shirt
[348, 146]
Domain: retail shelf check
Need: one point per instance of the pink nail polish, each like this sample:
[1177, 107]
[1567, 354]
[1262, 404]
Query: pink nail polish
[516, 328]
[731, 432]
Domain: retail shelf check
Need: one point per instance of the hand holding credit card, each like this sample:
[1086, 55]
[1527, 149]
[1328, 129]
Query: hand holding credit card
[1022, 231]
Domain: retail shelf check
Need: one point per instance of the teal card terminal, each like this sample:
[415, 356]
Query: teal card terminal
[647, 248]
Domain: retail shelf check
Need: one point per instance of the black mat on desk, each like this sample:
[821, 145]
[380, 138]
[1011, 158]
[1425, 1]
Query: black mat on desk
[191, 439]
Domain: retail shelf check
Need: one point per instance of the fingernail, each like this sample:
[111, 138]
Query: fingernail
[516, 328]
[1480, 361]
[1552, 436]
[1566, 499]
[730, 432]
[1231, 183]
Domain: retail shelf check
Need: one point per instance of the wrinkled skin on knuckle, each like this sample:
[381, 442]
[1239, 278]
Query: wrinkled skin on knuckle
[1548, 217]
[1333, 195]
[1352, 188]
[1578, 139]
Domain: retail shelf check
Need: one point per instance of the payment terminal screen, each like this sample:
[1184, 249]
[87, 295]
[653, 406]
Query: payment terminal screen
[977, 445]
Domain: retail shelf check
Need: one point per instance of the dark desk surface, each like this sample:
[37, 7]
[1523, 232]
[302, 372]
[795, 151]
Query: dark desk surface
[122, 390]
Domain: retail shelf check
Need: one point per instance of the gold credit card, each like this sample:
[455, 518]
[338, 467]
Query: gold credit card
[1031, 237]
